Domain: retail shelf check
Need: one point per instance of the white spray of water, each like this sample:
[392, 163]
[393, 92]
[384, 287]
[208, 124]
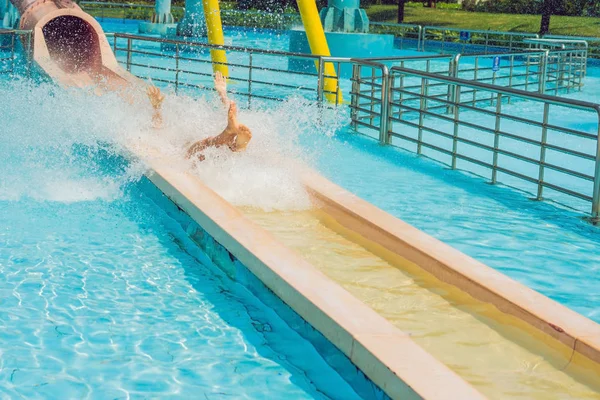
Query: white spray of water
[51, 135]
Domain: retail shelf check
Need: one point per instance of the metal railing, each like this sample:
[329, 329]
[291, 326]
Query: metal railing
[406, 35]
[538, 71]
[540, 146]
[7, 51]
[566, 69]
[255, 73]
[466, 40]
[525, 70]
[10, 41]
[541, 71]
[593, 43]
[368, 100]
[567, 61]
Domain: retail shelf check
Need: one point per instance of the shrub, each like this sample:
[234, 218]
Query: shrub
[469, 5]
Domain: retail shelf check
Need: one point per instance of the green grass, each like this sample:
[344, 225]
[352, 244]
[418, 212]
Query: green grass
[559, 25]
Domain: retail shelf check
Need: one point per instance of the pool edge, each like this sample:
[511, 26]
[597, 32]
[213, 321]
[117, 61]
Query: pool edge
[451, 266]
[386, 355]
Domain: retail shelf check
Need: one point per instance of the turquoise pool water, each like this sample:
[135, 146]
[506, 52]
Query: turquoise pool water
[101, 295]
[54, 205]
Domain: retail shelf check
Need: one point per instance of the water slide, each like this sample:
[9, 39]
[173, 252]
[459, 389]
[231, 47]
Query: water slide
[484, 335]
[70, 46]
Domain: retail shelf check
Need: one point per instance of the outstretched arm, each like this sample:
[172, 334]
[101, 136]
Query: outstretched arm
[229, 137]
[221, 87]
[197, 148]
[156, 99]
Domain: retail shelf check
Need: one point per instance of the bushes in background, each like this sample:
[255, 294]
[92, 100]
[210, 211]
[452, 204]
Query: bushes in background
[564, 7]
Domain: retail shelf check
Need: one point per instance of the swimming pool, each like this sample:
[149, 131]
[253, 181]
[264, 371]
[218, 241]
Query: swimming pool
[323, 149]
[103, 296]
[538, 244]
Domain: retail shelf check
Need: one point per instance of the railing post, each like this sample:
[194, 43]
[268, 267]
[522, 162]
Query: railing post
[487, 41]
[585, 57]
[527, 68]
[385, 106]
[543, 71]
[596, 193]
[570, 75]
[540, 190]
[559, 74]
[456, 101]
[420, 43]
[443, 40]
[249, 80]
[401, 93]
[337, 84]
[356, 68]
[390, 114]
[422, 106]
[372, 98]
[496, 138]
[475, 79]
[129, 54]
[176, 68]
[320, 81]
[29, 54]
[582, 67]
[510, 74]
[12, 54]
[453, 72]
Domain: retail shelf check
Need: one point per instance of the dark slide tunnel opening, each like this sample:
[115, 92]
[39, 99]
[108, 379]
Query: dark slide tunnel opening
[72, 43]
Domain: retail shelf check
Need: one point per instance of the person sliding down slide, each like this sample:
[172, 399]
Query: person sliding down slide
[235, 136]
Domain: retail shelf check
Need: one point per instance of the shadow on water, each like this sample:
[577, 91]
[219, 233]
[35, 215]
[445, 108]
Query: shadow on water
[259, 325]
[198, 269]
[272, 337]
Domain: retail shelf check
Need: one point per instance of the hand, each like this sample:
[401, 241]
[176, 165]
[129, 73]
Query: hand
[220, 82]
[155, 96]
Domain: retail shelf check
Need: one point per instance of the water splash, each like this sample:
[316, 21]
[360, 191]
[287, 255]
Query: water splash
[61, 145]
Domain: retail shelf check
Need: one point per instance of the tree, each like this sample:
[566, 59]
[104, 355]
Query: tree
[401, 4]
[549, 7]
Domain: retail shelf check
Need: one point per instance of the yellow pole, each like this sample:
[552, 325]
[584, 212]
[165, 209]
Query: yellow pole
[318, 45]
[212, 14]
